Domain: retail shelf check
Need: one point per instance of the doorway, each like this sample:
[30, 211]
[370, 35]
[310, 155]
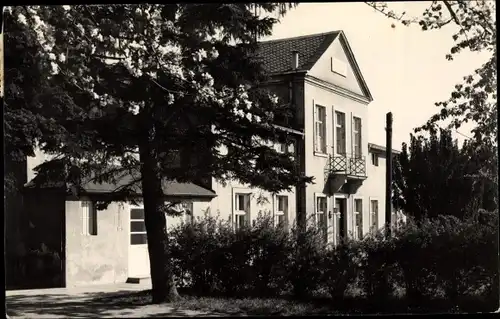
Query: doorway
[341, 219]
[138, 256]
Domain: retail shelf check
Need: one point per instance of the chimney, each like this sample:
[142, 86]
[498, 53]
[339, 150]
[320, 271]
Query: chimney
[295, 59]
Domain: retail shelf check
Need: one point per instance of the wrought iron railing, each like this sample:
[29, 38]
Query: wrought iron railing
[347, 164]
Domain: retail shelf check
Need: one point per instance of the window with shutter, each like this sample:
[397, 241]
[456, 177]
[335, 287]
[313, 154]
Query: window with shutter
[241, 210]
[321, 216]
[340, 133]
[281, 212]
[373, 215]
[89, 218]
[358, 219]
[320, 129]
[357, 136]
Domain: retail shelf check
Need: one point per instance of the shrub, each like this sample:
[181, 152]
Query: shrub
[379, 273]
[270, 257]
[341, 267]
[441, 259]
[448, 258]
[210, 257]
[306, 271]
[194, 250]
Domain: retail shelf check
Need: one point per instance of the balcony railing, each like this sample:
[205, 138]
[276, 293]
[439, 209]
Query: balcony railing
[347, 164]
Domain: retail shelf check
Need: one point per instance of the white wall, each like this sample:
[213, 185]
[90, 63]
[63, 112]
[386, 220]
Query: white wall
[222, 205]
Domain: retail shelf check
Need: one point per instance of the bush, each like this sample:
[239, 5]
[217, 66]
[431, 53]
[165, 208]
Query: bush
[341, 266]
[270, 257]
[448, 258]
[210, 257]
[443, 262]
[194, 250]
[379, 273]
[307, 261]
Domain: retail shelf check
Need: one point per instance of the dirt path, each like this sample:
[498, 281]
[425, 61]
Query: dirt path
[89, 302]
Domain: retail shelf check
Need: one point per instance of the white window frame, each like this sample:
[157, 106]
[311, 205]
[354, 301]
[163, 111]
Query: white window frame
[337, 217]
[320, 140]
[89, 218]
[357, 139]
[357, 230]
[373, 214]
[236, 212]
[318, 213]
[278, 212]
[375, 159]
[343, 139]
[188, 205]
[141, 207]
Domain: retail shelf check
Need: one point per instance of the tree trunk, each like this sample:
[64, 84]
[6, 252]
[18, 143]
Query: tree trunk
[162, 276]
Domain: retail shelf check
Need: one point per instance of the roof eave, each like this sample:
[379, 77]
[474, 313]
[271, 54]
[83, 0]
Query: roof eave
[298, 71]
[356, 66]
[381, 149]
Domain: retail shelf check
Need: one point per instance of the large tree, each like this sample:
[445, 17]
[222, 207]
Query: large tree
[434, 176]
[146, 81]
[27, 91]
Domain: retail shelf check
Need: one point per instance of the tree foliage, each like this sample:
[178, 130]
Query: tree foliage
[30, 101]
[434, 176]
[475, 99]
[146, 84]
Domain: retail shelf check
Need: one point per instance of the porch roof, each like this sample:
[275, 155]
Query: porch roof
[170, 188]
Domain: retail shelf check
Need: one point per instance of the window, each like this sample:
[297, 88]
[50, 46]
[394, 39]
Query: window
[281, 213]
[340, 132]
[339, 67]
[357, 136]
[321, 216]
[241, 210]
[340, 219]
[375, 159]
[187, 207]
[89, 218]
[320, 129]
[137, 227]
[358, 219]
[281, 148]
[373, 215]
[337, 219]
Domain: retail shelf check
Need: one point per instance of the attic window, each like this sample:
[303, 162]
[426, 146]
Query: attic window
[339, 67]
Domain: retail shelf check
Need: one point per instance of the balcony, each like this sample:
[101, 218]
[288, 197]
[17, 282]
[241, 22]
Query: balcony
[345, 172]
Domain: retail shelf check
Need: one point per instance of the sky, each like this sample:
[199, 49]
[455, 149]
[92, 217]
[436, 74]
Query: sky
[405, 68]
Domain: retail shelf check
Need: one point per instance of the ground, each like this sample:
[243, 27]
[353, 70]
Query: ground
[88, 302]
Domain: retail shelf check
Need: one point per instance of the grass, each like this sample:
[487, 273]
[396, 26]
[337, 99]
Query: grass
[287, 306]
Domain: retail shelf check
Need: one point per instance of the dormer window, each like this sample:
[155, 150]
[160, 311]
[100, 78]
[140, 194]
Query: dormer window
[339, 67]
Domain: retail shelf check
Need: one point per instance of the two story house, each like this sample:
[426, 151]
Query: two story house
[319, 76]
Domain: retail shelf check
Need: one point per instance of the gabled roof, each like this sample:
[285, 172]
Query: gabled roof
[277, 54]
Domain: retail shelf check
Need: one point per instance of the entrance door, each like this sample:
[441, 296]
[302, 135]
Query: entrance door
[138, 257]
[341, 219]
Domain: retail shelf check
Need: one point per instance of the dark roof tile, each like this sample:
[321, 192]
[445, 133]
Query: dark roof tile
[277, 54]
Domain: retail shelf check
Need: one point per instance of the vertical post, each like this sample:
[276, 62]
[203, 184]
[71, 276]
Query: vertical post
[388, 172]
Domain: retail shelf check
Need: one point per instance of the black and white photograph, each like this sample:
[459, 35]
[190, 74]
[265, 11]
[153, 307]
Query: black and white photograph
[250, 159]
